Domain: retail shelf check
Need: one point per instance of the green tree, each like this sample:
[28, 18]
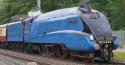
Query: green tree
[113, 9]
[117, 11]
[21, 7]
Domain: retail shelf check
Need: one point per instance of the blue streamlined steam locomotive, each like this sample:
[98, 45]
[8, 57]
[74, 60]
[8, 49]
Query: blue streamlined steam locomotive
[70, 32]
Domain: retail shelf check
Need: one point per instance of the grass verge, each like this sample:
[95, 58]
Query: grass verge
[119, 55]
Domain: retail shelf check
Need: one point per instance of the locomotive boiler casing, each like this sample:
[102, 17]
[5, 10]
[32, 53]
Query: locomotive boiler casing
[62, 26]
[66, 30]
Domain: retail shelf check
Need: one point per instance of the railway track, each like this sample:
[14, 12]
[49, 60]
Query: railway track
[45, 60]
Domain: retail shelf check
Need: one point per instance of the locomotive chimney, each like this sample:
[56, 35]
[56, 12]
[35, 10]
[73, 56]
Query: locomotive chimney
[86, 6]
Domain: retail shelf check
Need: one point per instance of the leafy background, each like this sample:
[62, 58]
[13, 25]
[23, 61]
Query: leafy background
[113, 9]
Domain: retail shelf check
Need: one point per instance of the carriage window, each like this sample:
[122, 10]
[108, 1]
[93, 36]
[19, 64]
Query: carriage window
[31, 20]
